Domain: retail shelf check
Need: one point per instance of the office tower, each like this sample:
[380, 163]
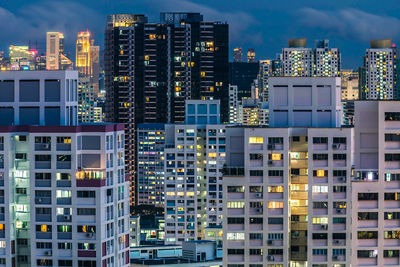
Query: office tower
[300, 61]
[200, 68]
[22, 58]
[375, 185]
[327, 60]
[237, 54]
[150, 161]
[297, 60]
[95, 68]
[86, 101]
[180, 58]
[243, 74]
[234, 104]
[54, 49]
[286, 189]
[82, 54]
[194, 157]
[378, 76]
[305, 102]
[64, 193]
[251, 55]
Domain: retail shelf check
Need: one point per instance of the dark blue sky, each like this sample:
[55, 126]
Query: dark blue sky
[265, 25]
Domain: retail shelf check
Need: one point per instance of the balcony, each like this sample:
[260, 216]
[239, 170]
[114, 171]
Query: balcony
[64, 201]
[42, 183]
[63, 147]
[64, 235]
[63, 164]
[63, 183]
[43, 235]
[366, 176]
[43, 200]
[64, 218]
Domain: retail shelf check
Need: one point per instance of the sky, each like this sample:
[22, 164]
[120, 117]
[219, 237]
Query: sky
[265, 25]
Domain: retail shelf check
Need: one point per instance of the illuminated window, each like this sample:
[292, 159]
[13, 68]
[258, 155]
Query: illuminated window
[203, 74]
[2, 244]
[43, 228]
[2, 227]
[275, 189]
[275, 156]
[235, 236]
[146, 57]
[320, 173]
[190, 194]
[320, 189]
[235, 205]
[212, 155]
[320, 220]
[152, 36]
[256, 140]
[275, 205]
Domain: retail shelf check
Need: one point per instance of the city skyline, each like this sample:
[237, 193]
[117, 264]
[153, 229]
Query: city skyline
[263, 26]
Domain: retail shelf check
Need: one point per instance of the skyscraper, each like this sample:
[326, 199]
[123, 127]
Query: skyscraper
[379, 74]
[237, 54]
[82, 54]
[181, 58]
[251, 55]
[54, 49]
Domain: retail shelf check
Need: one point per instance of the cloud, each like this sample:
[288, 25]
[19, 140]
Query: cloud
[351, 24]
[239, 22]
[32, 22]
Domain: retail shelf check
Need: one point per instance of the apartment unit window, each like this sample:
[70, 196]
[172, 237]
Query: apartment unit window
[42, 157]
[275, 251]
[255, 220]
[86, 263]
[234, 220]
[42, 140]
[44, 262]
[43, 228]
[392, 196]
[256, 236]
[320, 236]
[320, 220]
[86, 229]
[339, 189]
[320, 173]
[320, 189]
[65, 245]
[392, 137]
[86, 194]
[392, 116]
[320, 140]
[256, 189]
[233, 251]
[42, 176]
[275, 189]
[275, 220]
[63, 176]
[236, 189]
[275, 173]
[367, 253]
[256, 156]
[275, 236]
[392, 157]
[339, 156]
[340, 173]
[275, 205]
[320, 205]
[64, 228]
[339, 220]
[235, 205]
[392, 215]
[86, 211]
[86, 246]
[296, 138]
[339, 140]
[391, 253]
[256, 140]
[338, 235]
[320, 156]
[64, 262]
[255, 251]
[392, 234]
[256, 173]
[392, 177]
[367, 196]
[320, 251]
[40, 245]
[235, 236]
[339, 251]
[367, 235]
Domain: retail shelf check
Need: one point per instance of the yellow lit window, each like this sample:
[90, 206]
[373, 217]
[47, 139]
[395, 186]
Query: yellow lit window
[320, 173]
[181, 194]
[1, 227]
[203, 74]
[275, 156]
[320, 220]
[275, 205]
[212, 155]
[190, 194]
[275, 189]
[146, 57]
[43, 228]
[152, 36]
[256, 140]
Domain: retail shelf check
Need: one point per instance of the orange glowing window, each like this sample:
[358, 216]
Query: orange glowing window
[152, 36]
[275, 156]
[43, 228]
[320, 173]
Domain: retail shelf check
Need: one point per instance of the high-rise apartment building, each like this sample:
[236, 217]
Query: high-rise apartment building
[378, 76]
[194, 158]
[54, 50]
[86, 100]
[180, 58]
[64, 193]
[375, 185]
[237, 54]
[150, 164]
[268, 68]
[251, 55]
[286, 189]
[300, 61]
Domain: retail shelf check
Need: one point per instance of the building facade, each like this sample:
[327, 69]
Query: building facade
[54, 49]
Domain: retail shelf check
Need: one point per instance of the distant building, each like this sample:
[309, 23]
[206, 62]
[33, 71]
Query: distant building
[349, 80]
[379, 74]
[237, 54]
[251, 55]
[243, 74]
[22, 58]
[86, 101]
[54, 49]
